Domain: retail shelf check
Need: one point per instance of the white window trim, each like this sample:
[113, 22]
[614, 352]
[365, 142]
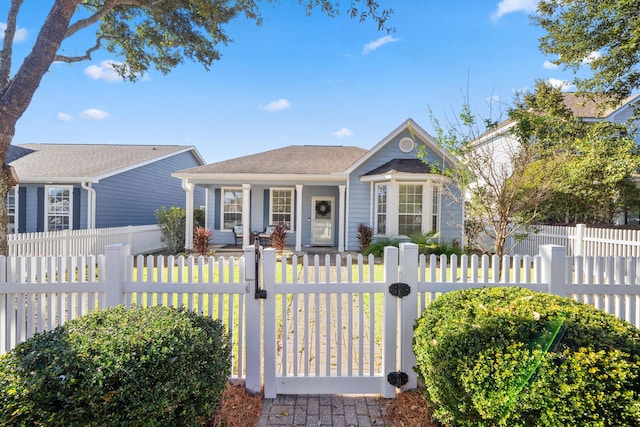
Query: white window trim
[375, 208]
[222, 191]
[290, 190]
[16, 213]
[426, 204]
[46, 204]
[393, 199]
[438, 214]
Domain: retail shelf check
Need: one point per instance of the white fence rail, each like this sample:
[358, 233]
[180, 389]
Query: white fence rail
[581, 240]
[141, 239]
[325, 321]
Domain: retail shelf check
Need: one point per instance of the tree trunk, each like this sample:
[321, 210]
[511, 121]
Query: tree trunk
[16, 95]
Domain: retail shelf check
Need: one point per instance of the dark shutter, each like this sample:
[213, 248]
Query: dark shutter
[22, 210]
[76, 208]
[217, 197]
[40, 210]
[265, 209]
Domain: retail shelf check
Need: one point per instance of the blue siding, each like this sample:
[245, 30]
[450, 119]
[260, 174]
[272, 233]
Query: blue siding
[132, 197]
[359, 197]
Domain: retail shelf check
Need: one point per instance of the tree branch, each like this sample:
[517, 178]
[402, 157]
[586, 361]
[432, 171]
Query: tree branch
[85, 57]
[7, 45]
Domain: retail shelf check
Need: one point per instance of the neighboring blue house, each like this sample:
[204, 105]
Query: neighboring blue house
[67, 186]
[323, 193]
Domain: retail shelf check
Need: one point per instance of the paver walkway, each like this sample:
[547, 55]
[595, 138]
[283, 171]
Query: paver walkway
[323, 411]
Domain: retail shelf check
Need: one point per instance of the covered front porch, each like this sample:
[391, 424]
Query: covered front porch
[314, 213]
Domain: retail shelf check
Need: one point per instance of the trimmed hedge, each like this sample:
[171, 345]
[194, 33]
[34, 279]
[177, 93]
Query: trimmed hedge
[513, 357]
[119, 366]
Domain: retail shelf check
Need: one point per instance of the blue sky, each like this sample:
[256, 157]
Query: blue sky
[297, 80]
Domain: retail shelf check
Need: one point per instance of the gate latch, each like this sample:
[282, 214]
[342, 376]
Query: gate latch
[399, 289]
[260, 293]
[397, 379]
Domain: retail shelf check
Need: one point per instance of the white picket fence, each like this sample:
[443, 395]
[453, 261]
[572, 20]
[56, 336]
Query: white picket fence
[581, 240]
[141, 239]
[327, 324]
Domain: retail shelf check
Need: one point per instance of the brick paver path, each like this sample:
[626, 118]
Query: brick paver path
[323, 411]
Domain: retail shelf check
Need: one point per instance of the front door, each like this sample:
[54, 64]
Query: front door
[322, 220]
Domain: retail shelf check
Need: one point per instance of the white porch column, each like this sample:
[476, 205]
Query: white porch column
[188, 234]
[298, 218]
[246, 226]
[341, 218]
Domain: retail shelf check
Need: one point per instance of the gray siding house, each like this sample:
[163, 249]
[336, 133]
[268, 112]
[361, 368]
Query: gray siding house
[323, 193]
[76, 186]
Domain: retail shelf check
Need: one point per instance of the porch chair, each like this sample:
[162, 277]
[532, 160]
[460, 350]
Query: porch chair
[265, 236]
[237, 233]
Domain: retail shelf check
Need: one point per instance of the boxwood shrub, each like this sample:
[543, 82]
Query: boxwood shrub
[137, 366]
[513, 357]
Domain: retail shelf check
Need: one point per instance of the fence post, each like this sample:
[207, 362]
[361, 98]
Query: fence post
[269, 306]
[578, 241]
[409, 311]
[390, 320]
[115, 270]
[554, 260]
[253, 321]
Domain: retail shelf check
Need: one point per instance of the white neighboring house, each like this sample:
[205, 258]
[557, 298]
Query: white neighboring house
[501, 143]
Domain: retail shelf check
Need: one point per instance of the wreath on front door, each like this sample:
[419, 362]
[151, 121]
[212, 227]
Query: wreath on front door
[323, 208]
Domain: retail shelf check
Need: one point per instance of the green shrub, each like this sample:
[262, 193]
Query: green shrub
[172, 227]
[377, 248]
[513, 357]
[120, 366]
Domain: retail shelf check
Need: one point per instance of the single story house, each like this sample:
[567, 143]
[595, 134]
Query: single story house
[323, 193]
[80, 186]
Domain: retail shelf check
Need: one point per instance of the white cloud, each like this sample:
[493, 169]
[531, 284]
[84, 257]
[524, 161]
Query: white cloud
[549, 65]
[278, 105]
[94, 114]
[509, 6]
[493, 98]
[103, 71]
[591, 57]
[370, 47]
[564, 85]
[20, 35]
[63, 117]
[342, 133]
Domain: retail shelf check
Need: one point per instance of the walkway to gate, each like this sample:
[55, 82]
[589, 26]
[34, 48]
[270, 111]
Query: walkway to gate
[323, 410]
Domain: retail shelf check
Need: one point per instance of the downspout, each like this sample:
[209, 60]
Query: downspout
[91, 204]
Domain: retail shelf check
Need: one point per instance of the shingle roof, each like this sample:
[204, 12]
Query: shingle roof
[82, 160]
[591, 108]
[294, 159]
[402, 165]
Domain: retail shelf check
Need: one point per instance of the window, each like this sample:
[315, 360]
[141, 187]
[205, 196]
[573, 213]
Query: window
[436, 205]
[231, 207]
[12, 226]
[58, 208]
[409, 209]
[282, 207]
[381, 209]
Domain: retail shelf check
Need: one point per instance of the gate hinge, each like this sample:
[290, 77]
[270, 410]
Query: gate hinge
[399, 289]
[397, 379]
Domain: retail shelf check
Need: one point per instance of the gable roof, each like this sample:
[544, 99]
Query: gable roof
[291, 160]
[416, 130]
[85, 162]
